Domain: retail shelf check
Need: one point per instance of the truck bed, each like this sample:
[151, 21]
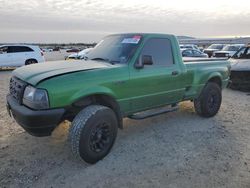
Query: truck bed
[199, 70]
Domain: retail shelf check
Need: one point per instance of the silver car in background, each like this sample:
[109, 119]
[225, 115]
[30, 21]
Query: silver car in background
[240, 70]
[228, 50]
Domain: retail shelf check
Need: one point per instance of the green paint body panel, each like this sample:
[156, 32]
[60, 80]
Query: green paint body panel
[134, 89]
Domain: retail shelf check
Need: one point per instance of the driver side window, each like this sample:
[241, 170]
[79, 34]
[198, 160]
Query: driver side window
[248, 53]
[160, 50]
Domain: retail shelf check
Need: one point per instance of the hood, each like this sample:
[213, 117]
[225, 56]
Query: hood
[73, 55]
[33, 74]
[226, 52]
[230, 53]
[211, 50]
[240, 64]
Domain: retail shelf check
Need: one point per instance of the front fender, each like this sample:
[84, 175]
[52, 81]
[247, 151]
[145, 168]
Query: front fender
[92, 91]
[213, 75]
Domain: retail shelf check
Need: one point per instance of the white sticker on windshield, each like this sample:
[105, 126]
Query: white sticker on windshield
[133, 40]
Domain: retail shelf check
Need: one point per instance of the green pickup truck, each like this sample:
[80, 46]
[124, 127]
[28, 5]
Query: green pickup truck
[126, 75]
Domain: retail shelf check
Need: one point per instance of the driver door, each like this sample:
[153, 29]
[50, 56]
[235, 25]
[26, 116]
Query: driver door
[157, 84]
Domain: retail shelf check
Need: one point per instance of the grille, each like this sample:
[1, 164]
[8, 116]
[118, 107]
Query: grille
[220, 55]
[16, 89]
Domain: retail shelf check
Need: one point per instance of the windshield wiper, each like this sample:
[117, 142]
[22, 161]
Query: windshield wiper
[105, 59]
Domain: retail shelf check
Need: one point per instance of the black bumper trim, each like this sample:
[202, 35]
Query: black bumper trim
[36, 123]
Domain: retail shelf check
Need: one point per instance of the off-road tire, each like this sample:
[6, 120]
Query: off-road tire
[84, 125]
[209, 101]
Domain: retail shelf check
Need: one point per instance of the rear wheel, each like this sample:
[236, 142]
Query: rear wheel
[209, 101]
[30, 61]
[93, 133]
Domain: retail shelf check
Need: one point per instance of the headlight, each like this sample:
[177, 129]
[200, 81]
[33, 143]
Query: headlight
[35, 98]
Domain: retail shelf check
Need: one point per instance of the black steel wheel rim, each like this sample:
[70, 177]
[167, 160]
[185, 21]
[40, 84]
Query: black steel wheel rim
[212, 101]
[100, 137]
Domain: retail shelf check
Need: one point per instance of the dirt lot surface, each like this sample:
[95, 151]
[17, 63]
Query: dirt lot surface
[179, 149]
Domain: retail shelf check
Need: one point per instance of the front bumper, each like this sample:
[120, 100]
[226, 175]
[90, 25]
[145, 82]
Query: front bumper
[36, 123]
[218, 54]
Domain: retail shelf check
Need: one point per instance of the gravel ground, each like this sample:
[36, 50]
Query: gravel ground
[178, 149]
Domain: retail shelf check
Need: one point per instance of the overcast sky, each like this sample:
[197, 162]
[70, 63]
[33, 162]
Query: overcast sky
[90, 20]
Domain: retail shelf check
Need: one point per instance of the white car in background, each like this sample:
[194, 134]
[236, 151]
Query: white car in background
[19, 55]
[228, 50]
[189, 46]
[80, 55]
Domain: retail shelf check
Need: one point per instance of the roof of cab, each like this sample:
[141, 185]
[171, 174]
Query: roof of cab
[145, 34]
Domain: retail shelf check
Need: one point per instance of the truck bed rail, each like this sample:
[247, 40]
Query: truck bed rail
[202, 59]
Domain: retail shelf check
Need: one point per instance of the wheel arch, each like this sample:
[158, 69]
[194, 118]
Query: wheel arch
[30, 59]
[96, 98]
[215, 78]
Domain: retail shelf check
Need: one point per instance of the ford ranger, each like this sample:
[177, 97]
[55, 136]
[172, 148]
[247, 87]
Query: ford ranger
[125, 75]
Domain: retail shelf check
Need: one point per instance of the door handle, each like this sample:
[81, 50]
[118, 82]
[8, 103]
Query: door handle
[175, 73]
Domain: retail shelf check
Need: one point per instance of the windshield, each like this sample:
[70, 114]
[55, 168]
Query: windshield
[216, 46]
[231, 48]
[243, 53]
[115, 48]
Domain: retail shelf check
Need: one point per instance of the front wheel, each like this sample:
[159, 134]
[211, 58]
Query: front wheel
[209, 101]
[93, 133]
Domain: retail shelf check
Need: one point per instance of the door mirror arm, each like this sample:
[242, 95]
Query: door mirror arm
[139, 64]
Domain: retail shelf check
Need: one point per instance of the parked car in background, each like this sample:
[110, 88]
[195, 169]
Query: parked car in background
[81, 55]
[47, 49]
[213, 48]
[228, 50]
[201, 49]
[189, 46]
[55, 49]
[240, 69]
[19, 55]
[75, 50]
[193, 53]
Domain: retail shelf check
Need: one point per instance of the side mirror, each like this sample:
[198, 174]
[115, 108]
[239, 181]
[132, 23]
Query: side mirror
[144, 60]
